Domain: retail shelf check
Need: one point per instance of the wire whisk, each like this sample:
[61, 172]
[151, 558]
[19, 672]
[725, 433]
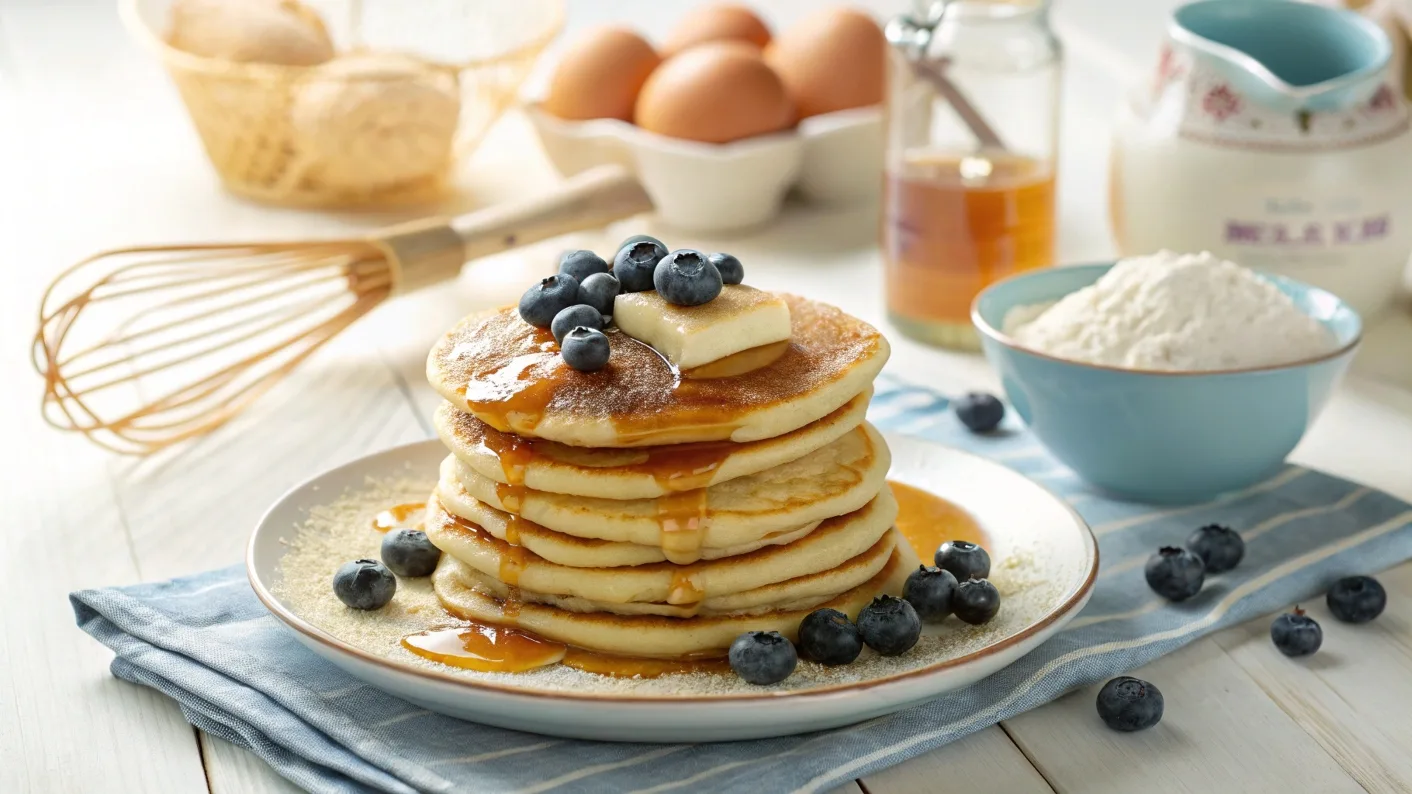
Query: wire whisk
[145, 347]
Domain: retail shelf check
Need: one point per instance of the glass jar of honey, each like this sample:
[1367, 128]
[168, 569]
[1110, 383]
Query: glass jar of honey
[972, 134]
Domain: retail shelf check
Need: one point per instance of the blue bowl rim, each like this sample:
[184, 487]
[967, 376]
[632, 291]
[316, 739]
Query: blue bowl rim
[1001, 338]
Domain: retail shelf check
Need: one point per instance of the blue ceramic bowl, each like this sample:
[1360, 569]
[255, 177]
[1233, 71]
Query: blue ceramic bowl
[1162, 436]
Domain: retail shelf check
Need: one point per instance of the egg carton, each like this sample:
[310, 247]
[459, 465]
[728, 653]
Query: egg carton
[834, 158]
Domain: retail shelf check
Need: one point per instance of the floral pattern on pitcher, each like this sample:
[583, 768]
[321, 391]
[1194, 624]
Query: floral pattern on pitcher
[1204, 106]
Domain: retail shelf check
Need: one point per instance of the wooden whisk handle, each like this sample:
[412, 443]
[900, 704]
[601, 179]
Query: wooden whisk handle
[426, 252]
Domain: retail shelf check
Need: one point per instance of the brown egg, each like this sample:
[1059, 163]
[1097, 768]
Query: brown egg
[716, 22]
[833, 60]
[716, 92]
[600, 75]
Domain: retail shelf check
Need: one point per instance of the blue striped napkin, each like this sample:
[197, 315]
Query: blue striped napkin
[206, 642]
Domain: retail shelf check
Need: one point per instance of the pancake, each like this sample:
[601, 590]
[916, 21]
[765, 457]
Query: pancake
[836, 479]
[650, 636]
[832, 544]
[632, 473]
[799, 593]
[556, 547]
[509, 375]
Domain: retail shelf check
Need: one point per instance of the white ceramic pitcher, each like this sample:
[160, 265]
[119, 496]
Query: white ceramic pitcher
[1271, 135]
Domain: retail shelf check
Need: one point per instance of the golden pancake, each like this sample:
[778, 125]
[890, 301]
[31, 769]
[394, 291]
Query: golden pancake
[836, 479]
[556, 547]
[652, 636]
[630, 473]
[833, 543]
[509, 375]
[798, 593]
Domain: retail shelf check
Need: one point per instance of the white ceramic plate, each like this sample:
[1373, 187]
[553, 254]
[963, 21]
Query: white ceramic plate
[1043, 543]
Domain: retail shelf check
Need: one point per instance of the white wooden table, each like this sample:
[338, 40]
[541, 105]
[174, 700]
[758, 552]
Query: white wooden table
[95, 152]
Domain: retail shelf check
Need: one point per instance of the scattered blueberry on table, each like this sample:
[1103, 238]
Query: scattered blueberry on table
[1175, 573]
[827, 636]
[573, 317]
[889, 625]
[1356, 599]
[762, 657]
[598, 291]
[730, 268]
[1130, 704]
[408, 552]
[1220, 548]
[929, 591]
[635, 262]
[978, 411]
[364, 584]
[582, 264]
[585, 349]
[544, 300]
[1296, 634]
[964, 559]
[686, 278]
[975, 601]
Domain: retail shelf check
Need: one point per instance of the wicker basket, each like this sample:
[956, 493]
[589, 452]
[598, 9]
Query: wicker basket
[413, 90]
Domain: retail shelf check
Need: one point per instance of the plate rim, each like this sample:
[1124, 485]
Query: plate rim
[330, 642]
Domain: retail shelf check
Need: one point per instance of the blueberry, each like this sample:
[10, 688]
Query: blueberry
[1221, 548]
[585, 349]
[364, 584]
[978, 411]
[975, 601]
[1356, 599]
[599, 290]
[1296, 634]
[635, 263]
[640, 238]
[929, 591]
[408, 553]
[687, 278]
[1130, 704]
[762, 657]
[730, 268]
[581, 264]
[1174, 573]
[828, 637]
[550, 296]
[889, 625]
[582, 315]
[965, 560]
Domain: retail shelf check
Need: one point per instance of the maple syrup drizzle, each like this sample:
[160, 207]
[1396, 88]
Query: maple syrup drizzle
[927, 520]
[684, 591]
[400, 516]
[681, 517]
[512, 564]
[515, 395]
[489, 648]
[512, 497]
[485, 647]
[514, 452]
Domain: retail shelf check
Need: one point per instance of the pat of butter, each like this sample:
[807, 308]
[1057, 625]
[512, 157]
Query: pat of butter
[738, 319]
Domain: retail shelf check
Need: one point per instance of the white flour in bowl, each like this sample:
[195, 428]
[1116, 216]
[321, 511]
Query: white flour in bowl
[1167, 311]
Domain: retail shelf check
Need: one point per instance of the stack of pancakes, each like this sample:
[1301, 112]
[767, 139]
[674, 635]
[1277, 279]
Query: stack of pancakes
[634, 511]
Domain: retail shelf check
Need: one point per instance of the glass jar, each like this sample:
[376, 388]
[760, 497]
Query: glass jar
[972, 138]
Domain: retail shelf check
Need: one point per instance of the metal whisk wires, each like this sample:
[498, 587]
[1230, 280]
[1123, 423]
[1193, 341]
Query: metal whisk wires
[141, 348]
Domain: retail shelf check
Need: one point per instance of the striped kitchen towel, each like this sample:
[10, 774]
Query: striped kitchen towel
[206, 642]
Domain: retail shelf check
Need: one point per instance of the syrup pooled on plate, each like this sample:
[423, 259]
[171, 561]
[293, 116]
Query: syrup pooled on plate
[483, 647]
[409, 515]
[927, 521]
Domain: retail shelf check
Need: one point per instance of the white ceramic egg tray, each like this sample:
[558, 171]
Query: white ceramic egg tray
[835, 158]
